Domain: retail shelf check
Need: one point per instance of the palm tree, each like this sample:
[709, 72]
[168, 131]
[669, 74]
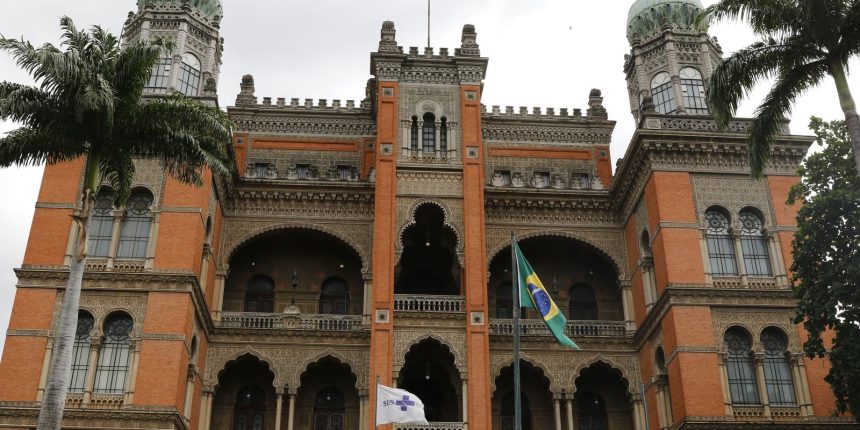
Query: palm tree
[88, 104]
[802, 42]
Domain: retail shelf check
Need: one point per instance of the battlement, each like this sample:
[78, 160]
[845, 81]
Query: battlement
[247, 98]
[595, 111]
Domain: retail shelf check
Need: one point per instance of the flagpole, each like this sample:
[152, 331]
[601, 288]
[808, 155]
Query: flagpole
[376, 404]
[515, 276]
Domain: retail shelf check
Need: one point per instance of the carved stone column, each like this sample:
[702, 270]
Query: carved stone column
[556, 410]
[465, 395]
[153, 240]
[292, 410]
[639, 413]
[114, 237]
[664, 406]
[569, 402]
[420, 136]
[437, 127]
[739, 257]
[405, 138]
[762, 386]
[706, 259]
[205, 409]
[132, 374]
[627, 302]
[776, 261]
[189, 391]
[46, 362]
[362, 410]
[802, 386]
[279, 405]
[724, 379]
[648, 287]
[218, 293]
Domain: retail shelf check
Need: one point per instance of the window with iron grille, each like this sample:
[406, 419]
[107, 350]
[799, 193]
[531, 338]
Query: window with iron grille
[740, 368]
[101, 225]
[81, 352]
[777, 369]
[112, 370]
[189, 75]
[159, 79]
[134, 235]
[721, 250]
[754, 245]
[693, 91]
[663, 93]
[429, 145]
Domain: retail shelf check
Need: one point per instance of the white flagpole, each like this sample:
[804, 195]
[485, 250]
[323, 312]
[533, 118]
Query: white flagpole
[515, 273]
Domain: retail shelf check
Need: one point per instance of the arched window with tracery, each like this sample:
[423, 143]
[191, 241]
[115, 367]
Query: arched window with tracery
[329, 408]
[429, 136]
[113, 364]
[663, 93]
[582, 305]
[134, 235]
[250, 412]
[413, 136]
[260, 295]
[777, 369]
[334, 297]
[693, 91]
[81, 352]
[740, 367]
[189, 75]
[754, 245]
[101, 225]
[721, 250]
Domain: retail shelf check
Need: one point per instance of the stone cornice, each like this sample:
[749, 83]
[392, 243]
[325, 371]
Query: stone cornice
[25, 414]
[806, 423]
[355, 201]
[550, 129]
[301, 120]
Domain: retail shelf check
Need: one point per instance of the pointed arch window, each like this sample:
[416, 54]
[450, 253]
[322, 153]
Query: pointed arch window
[754, 245]
[740, 368]
[134, 236]
[429, 133]
[693, 91]
[81, 352]
[777, 369]
[189, 75]
[250, 413]
[159, 79]
[112, 369]
[334, 297]
[101, 225]
[663, 93]
[260, 295]
[329, 409]
[582, 306]
[721, 250]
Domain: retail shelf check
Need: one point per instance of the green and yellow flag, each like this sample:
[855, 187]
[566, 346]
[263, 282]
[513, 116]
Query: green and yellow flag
[533, 295]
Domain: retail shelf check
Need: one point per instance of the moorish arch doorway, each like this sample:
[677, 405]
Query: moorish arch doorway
[429, 372]
[428, 264]
[537, 412]
[245, 396]
[327, 398]
[602, 400]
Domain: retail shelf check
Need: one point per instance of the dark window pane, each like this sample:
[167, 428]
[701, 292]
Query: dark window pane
[740, 368]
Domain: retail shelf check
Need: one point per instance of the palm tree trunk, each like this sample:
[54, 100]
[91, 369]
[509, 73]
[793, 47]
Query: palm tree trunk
[852, 120]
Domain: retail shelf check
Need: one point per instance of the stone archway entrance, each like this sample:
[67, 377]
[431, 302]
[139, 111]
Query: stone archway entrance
[537, 403]
[430, 374]
[601, 401]
[245, 396]
[327, 398]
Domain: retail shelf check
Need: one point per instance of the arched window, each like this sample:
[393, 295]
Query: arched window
[443, 136]
[693, 91]
[740, 367]
[591, 410]
[134, 235]
[721, 250]
[507, 411]
[189, 75]
[660, 361]
[159, 79]
[101, 225]
[663, 93]
[754, 245]
[112, 369]
[505, 300]
[334, 297]
[81, 352]
[329, 409]
[777, 370]
[582, 304]
[260, 295]
[250, 411]
[413, 137]
[429, 133]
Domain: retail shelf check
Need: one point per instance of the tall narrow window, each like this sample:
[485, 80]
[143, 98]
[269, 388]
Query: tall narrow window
[429, 133]
[777, 370]
[81, 352]
[721, 250]
[413, 136]
[693, 91]
[260, 295]
[754, 245]
[112, 369]
[101, 225]
[582, 304]
[662, 93]
[189, 75]
[159, 79]
[334, 297]
[134, 235]
[443, 136]
[740, 367]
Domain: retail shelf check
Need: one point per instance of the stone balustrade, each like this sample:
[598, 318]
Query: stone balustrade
[431, 426]
[429, 303]
[574, 329]
[260, 320]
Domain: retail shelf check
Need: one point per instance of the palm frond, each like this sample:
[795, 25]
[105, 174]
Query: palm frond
[790, 83]
[29, 147]
[849, 44]
[764, 16]
[117, 168]
[132, 70]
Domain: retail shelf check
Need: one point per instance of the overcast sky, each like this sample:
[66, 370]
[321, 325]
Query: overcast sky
[546, 53]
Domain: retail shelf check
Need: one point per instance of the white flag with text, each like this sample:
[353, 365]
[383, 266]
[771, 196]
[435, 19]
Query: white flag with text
[398, 406]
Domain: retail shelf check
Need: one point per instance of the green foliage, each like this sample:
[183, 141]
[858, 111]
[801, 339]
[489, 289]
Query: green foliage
[827, 259]
[88, 102]
[801, 43]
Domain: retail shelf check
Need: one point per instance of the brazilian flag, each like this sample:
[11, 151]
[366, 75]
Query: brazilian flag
[533, 295]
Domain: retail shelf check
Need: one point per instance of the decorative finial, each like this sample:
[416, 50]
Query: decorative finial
[387, 41]
[246, 92]
[595, 105]
[468, 42]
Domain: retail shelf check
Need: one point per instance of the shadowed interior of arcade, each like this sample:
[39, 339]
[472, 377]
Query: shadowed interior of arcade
[428, 264]
[429, 372]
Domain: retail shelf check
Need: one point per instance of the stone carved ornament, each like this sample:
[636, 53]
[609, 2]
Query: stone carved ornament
[754, 321]
[102, 304]
[454, 339]
[732, 192]
[453, 213]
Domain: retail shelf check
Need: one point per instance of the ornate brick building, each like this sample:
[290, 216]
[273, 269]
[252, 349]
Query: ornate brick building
[371, 239]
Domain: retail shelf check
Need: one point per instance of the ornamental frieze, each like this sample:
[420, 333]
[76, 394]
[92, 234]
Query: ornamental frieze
[732, 192]
[295, 125]
[322, 205]
[494, 131]
[454, 338]
[754, 321]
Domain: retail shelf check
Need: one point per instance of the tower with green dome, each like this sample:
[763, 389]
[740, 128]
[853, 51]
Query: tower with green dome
[671, 57]
[192, 26]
